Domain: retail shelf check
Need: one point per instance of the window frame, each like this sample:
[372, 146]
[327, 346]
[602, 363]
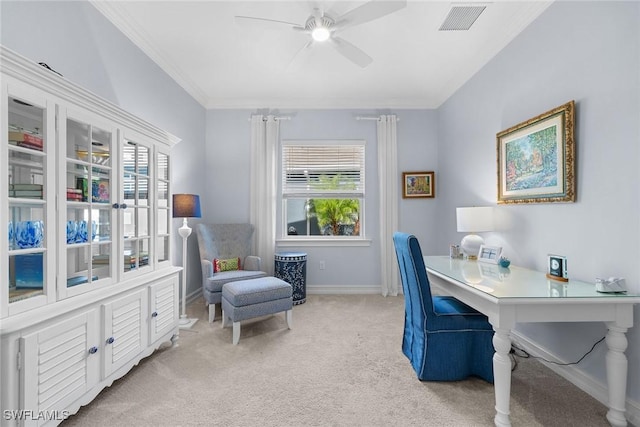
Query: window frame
[321, 240]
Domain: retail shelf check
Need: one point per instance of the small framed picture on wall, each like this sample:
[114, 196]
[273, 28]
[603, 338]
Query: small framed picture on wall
[417, 185]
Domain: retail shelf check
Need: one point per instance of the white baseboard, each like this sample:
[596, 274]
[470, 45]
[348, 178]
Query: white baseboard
[342, 290]
[594, 388]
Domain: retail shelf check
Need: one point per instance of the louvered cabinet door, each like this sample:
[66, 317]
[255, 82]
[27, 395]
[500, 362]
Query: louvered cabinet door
[59, 364]
[163, 307]
[124, 330]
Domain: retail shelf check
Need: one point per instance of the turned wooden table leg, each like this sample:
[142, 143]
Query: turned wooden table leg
[616, 374]
[502, 375]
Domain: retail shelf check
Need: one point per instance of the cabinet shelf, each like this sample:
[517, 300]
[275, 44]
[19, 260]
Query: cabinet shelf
[26, 150]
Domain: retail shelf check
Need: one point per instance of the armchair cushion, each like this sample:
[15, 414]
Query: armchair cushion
[215, 282]
[228, 264]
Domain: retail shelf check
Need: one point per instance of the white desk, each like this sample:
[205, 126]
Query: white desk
[513, 295]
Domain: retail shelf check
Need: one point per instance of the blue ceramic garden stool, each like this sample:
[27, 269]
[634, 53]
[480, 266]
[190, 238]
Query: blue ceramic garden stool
[292, 268]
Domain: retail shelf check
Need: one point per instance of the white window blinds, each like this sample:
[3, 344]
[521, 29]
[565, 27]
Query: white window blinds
[323, 169]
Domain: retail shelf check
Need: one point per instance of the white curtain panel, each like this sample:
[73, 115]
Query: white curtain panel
[388, 175]
[264, 143]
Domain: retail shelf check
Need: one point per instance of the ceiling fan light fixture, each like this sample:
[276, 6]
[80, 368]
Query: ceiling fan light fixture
[320, 34]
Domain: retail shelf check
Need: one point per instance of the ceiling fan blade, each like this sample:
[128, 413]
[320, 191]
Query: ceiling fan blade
[349, 51]
[368, 12]
[298, 58]
[265, 23]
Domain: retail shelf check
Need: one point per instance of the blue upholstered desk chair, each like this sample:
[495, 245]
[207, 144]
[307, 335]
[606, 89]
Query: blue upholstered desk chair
[444, 339]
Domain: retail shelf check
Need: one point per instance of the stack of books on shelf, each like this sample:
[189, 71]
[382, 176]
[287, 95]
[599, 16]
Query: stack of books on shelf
[130, 260]
[102, 259]
[26, 191]
[25, 139]
[74, 194]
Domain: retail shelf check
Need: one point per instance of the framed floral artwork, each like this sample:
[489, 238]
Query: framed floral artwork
[536, 159]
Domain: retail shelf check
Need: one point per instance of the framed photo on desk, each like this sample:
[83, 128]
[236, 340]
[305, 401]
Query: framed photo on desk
[489, 254]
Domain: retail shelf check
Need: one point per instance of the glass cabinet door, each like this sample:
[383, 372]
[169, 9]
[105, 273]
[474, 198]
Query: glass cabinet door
[87, 225]
[137, 209]
[27, 156]
[163, 208]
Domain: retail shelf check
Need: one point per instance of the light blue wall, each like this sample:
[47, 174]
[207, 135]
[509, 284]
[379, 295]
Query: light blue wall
[588, 52]
[76, 40]
[228, 163]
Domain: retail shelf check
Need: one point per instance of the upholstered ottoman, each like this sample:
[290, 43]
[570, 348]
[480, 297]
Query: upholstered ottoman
[246, 299]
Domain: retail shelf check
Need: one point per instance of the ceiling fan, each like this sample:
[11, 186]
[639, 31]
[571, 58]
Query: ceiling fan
[323, 27]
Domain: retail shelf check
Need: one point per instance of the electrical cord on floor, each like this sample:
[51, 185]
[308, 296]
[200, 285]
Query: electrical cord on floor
[519, 352]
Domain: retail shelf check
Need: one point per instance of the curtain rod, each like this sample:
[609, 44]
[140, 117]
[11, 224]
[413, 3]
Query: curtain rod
[376, 118]
[264, 119]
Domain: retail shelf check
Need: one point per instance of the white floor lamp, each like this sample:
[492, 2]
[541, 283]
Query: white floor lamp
[185, 206]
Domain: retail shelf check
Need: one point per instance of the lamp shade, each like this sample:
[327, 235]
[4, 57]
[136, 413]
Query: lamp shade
[186, 206]
[475, 219]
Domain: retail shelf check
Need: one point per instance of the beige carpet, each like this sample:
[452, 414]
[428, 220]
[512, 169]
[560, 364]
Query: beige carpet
[341, 365]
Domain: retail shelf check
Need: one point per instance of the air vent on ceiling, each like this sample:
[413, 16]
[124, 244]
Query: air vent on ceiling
[461, 18]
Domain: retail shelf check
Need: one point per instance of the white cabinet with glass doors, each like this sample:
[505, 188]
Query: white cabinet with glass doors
[85, 241]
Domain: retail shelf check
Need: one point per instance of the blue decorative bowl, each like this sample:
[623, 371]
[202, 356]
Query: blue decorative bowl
[72, 231]
[29, 234]
[81, 233]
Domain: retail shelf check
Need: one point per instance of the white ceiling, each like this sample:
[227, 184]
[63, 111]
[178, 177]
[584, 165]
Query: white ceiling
[226, 65]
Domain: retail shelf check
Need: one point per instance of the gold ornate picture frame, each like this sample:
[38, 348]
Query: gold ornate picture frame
[536, 159]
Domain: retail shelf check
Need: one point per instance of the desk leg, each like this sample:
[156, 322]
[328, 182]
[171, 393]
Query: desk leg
[616, 374]
[502, 375]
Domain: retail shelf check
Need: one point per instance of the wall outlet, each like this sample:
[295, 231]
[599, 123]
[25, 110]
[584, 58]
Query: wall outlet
[322, 265]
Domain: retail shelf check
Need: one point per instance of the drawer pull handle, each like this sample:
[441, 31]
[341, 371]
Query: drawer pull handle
[154, 314]
[110, 340]
[93, 350]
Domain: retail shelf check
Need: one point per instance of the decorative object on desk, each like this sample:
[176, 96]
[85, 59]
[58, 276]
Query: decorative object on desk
[557, 267]
[72, 231]
[490, 254]
[536, 159]
[504, 262]
[418, 185]
[454, 251]
[185, 206]
[611, 285]
[473, 220]
[29, 234]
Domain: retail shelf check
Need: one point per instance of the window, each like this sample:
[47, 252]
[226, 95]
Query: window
[323, 188]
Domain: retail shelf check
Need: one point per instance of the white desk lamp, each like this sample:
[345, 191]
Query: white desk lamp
[473, 220]
[185, 206]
